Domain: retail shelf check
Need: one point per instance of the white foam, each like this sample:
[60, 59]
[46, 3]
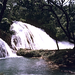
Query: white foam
[31, 37]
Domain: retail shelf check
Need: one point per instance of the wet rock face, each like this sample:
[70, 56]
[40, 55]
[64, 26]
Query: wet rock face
[6, 37]
[3, 53]
[5, 50]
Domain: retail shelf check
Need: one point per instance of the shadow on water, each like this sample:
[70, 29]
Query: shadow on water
[26, 66]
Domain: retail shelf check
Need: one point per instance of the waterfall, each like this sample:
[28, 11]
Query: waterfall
[5, 50]
[30, 37]
[27, 36]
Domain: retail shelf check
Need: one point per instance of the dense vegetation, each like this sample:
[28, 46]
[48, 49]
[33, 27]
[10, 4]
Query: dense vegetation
[52, 16]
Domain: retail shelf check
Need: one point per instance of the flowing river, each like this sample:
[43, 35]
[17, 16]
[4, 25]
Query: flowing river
[27, 66]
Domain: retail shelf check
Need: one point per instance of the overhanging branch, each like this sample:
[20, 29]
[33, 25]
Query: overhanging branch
[66, 15]
[67, 32]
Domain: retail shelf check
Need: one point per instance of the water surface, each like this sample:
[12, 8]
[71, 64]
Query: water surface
[27, 66]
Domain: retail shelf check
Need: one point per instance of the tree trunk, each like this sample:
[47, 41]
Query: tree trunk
[2, 11]
[57, 44]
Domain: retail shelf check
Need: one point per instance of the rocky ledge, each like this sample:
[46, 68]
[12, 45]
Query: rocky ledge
[56, 59]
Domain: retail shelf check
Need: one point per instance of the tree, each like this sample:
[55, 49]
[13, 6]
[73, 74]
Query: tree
[3, 8]
[66, 18]
[51, 15]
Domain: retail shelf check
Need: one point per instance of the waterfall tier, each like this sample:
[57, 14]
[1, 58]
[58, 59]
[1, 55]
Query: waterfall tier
[4, 49]
[31, 37]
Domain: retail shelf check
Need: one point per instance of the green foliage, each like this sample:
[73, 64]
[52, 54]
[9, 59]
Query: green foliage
[23, 20]
[35, 53]
[5, 24]
[1, 5]
[31, 11]
[60, 34]
[35, 13]
[28, 53]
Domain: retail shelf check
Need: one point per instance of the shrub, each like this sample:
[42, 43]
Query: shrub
[5, 24]
[27, 53]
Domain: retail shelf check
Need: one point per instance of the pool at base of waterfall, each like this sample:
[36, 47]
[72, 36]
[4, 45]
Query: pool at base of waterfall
[27, 66]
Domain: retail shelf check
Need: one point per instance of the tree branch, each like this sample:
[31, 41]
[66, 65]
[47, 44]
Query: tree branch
[58, 20]
[66, 15]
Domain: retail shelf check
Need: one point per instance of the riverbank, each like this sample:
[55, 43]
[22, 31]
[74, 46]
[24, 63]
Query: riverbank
[64, 58]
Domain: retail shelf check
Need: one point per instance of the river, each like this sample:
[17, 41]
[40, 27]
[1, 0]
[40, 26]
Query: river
[27, 66]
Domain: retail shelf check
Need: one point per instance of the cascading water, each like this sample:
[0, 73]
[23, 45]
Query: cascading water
[30, 37]
[5, 50]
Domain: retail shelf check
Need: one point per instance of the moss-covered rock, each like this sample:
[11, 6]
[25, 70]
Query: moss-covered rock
[35, 53]
[64, 58]
[28, 53]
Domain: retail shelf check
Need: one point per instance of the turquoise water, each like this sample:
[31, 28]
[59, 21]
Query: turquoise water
[27, 66]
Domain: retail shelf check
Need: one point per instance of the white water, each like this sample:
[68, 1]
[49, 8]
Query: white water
[31, 37]
[5, 50]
